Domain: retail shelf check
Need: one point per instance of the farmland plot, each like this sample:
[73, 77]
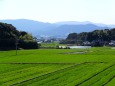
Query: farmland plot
[85, 74]
[14, 73]
[55, 67]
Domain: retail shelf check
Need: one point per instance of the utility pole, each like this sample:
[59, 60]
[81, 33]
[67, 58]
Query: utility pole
[16, 45]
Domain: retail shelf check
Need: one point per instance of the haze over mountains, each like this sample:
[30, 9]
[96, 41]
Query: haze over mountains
[58, 29]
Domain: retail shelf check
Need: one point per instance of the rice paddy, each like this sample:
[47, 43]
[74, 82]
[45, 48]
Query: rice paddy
[58, 67]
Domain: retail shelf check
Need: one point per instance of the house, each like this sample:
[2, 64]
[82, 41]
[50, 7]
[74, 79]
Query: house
[97, 43]
[86, 43]
[112, 43]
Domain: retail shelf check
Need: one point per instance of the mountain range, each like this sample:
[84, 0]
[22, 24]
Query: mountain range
[58, 29]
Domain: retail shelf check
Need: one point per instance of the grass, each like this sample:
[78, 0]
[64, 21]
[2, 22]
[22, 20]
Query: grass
[49, 44]
[70, 76]
[19, 72]
[57, 55]
[101, 78]
[58, 67]
[111, 83]
[52, 45]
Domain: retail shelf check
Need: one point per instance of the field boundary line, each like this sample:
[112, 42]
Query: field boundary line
[36, 63]
[46, 74]
[109, 80]
[46, 62]
[95, 75]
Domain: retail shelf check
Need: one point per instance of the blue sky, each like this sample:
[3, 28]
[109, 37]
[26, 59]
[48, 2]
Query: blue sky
[98, 11]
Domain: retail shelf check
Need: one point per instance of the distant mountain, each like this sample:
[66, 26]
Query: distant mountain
[66, 29]
[55, 29]
[80, 23]
[30, 26]
[112, 26]
[73, 23]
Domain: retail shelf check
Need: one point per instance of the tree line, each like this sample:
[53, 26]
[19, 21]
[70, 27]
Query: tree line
[10, 37]
[97, 36]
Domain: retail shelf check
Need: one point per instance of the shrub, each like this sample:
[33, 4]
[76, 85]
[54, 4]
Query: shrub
[28, 44]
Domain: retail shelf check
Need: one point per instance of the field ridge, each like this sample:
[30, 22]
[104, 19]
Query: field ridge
[109, 80]
[46, 74]
[95, 75]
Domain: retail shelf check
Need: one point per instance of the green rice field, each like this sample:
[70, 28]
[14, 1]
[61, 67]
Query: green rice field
[58, 67]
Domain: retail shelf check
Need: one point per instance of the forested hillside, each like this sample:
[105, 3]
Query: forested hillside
[10, 36]
[104, 36]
